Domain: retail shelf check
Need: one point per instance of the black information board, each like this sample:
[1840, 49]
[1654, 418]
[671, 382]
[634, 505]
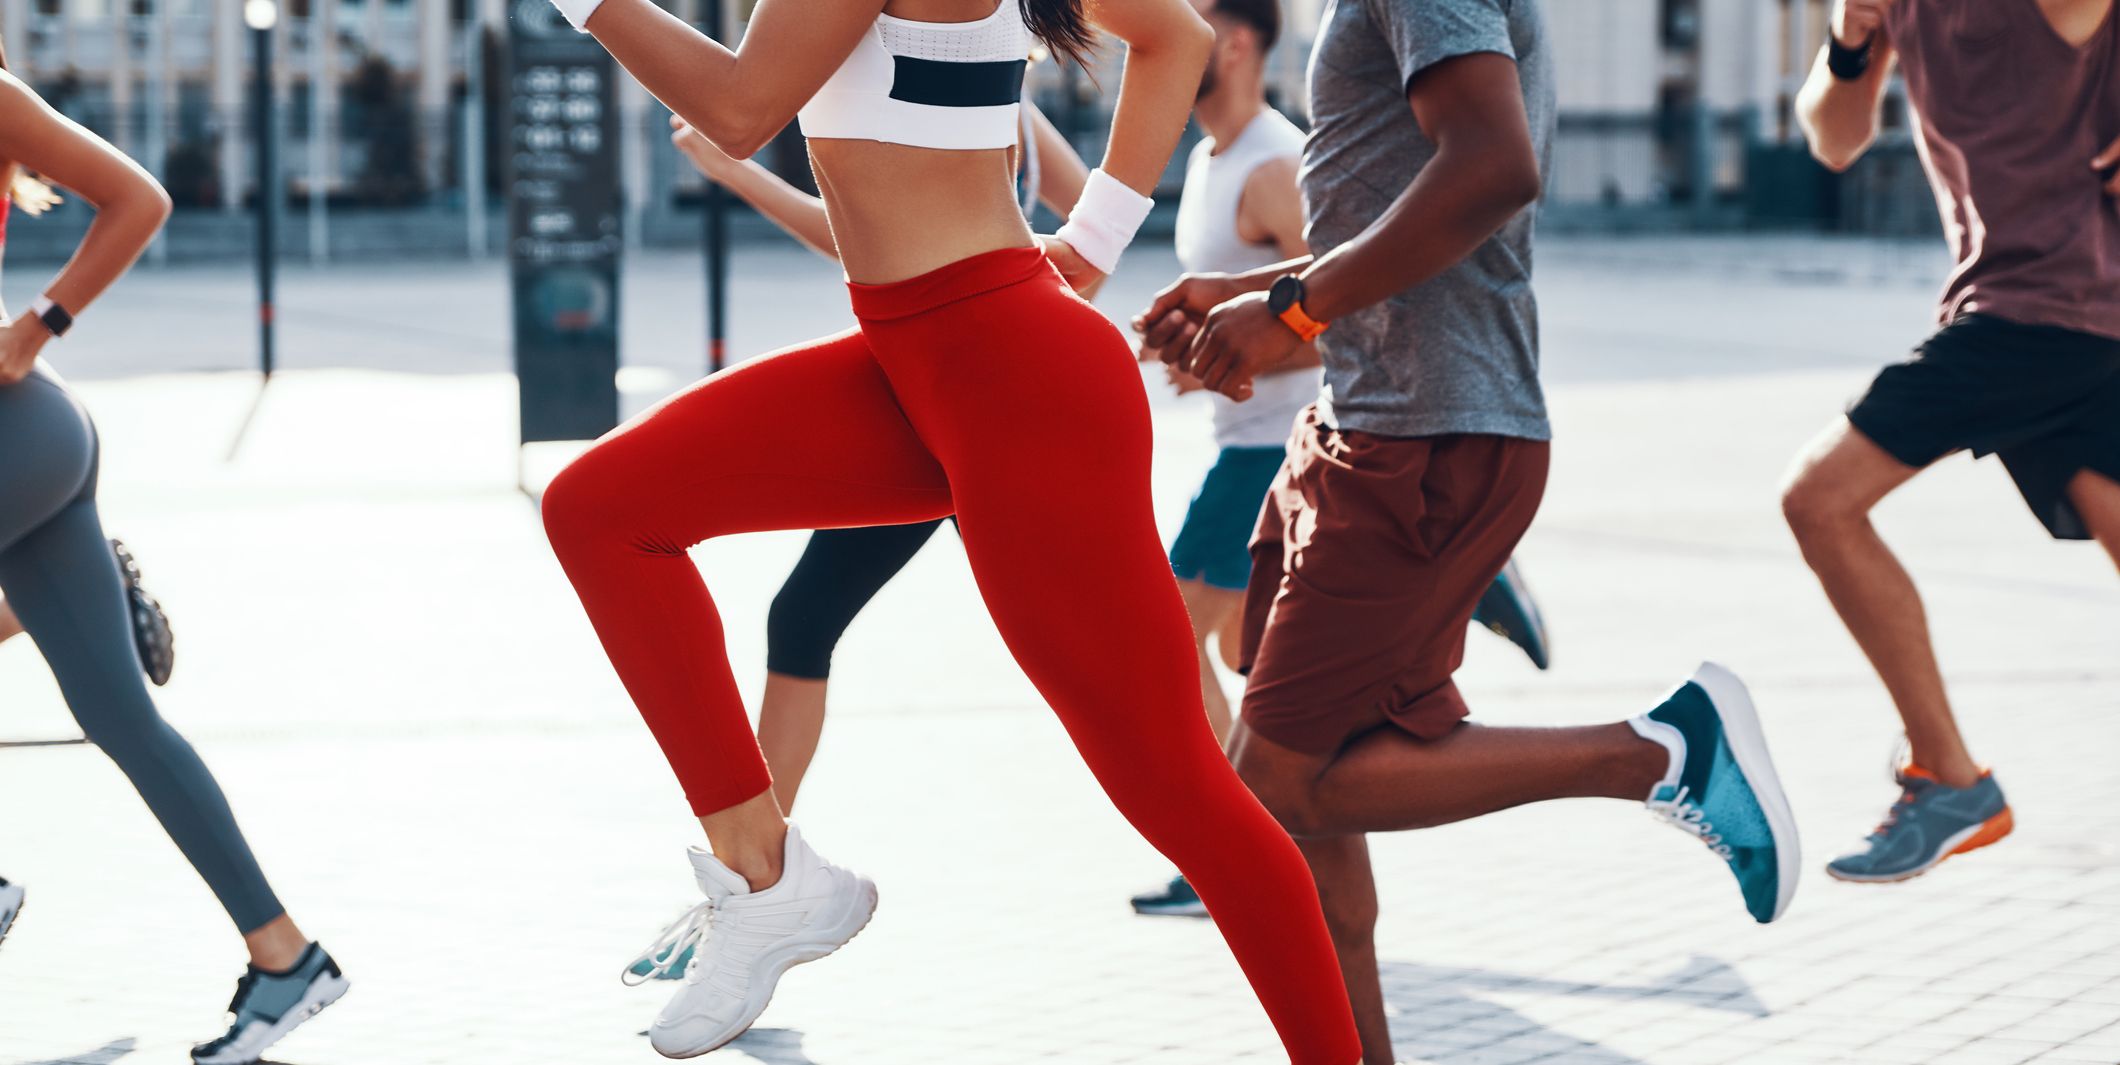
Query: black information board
[563, 226]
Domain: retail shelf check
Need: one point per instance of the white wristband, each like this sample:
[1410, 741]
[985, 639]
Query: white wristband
[1104, 220]
[577, 11]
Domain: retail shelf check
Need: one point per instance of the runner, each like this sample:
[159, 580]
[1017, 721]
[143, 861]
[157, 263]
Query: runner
[1242, 209]
[1411, 480]
[842, 570]
[976, 383]
[2018, 109]
[60, 576]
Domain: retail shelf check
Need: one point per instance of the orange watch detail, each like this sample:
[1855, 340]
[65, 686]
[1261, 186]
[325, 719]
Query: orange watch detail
[1305, 326]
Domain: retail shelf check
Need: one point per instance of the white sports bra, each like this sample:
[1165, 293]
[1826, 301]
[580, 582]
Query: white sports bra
[953, 85]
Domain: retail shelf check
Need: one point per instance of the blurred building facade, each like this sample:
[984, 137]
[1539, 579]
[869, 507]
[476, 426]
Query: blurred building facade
[1675, 113]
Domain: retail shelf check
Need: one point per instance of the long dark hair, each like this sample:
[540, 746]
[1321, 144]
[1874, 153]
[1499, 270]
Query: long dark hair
[1062, 26]
[33, 194]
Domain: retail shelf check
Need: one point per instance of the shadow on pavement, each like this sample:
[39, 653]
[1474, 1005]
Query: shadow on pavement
[102, 1055]
[1438, 1013]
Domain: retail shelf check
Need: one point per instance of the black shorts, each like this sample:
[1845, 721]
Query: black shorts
[2046, 400]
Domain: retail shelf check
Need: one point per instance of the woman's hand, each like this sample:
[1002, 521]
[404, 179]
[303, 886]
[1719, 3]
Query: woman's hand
[1081, 276]
[711, 161]
[1168, 325]
[20, 342]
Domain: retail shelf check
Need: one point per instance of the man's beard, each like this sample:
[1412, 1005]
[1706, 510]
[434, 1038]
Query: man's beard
[1209, 81]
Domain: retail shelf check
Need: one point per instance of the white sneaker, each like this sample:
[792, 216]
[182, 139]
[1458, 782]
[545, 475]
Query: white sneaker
[10, 906]
[756, 936]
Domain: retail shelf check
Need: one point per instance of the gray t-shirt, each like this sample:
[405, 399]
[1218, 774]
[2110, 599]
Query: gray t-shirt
[1460, 353]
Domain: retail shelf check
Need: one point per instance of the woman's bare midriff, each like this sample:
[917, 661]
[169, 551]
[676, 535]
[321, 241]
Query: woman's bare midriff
[898, 211]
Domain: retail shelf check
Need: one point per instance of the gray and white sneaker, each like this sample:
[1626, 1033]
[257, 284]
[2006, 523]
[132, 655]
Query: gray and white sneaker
[742, 941]
[269, 1005]
[10, 906]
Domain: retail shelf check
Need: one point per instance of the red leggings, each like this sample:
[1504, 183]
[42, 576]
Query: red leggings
[987, 389]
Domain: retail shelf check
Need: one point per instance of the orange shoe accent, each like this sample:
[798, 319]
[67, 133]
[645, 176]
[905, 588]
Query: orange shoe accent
[1996, 827]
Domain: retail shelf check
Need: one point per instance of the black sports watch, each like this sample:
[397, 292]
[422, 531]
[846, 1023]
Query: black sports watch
[1285, 300]
[54, 317]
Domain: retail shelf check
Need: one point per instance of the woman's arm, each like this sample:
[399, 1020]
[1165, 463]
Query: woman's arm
[1167, 45]
[130, 208]
[738, 99]
[798, 213]
[1061, 172]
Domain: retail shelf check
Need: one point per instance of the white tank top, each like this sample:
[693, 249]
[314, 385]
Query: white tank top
[953, 85]
[1208, 242]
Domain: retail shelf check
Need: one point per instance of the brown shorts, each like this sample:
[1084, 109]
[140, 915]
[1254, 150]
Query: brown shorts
[1371, 553]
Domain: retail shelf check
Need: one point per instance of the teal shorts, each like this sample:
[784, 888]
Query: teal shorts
[1214, 544]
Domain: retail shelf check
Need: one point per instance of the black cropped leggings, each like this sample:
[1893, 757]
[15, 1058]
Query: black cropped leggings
[839, 572]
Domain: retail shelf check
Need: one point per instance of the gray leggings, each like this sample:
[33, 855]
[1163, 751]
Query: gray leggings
[56, 570]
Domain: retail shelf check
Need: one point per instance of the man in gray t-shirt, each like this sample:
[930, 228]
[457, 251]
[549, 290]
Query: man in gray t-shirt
[1408, 485]
[1457, 353]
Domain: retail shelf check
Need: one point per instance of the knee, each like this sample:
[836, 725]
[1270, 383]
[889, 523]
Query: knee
[1290, 803]
[593, 504]
[1815, 513]
[571, 507]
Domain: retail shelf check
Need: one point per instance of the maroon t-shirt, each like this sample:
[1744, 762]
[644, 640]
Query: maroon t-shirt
[2010, 117]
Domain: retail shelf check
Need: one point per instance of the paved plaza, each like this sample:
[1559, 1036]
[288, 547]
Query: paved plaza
[381, 660]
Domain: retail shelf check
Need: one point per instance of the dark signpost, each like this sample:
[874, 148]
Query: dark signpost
[563, 226]
[717, 237]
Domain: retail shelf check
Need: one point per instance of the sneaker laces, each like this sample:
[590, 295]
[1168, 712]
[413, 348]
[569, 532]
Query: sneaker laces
[685, 933]
[1910, 789]
[1680, 812]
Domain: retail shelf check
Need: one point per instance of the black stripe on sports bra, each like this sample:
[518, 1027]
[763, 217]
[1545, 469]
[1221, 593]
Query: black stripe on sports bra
[929, 81]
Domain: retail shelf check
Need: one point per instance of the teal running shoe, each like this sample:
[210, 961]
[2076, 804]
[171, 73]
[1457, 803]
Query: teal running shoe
[1722, 788]
[1931, 822]
[1177, 899]
[654, 966]
[1508, 610]
[268, 1005]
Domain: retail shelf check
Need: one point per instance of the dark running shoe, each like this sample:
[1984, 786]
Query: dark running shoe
[1508, 609]
[267, 1006]
[1176, 899]
[151, 635]
[10, 906]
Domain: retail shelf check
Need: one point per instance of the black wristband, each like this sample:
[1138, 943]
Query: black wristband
[1848, 64]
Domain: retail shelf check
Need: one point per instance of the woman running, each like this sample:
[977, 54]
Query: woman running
[976, 383]
[59, 576]
[842, 570]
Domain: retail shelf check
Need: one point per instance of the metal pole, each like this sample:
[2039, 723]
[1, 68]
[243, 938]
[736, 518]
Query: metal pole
[475, 138]
[717, 239]
[268, 188]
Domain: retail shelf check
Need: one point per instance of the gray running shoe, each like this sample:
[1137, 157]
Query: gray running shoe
[151, 635]
[1930, 822]
[269, 1005]
[10, 906]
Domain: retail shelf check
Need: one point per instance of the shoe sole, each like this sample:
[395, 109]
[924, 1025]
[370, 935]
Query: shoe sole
[1194, 909]
[1985, 834]
[323, 992]
[1748, 745]
[777, 966]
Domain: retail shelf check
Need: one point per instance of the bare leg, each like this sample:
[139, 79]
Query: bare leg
[1389, 781]
[2097, 498]
[1827, 502]
[1347, 889]
[276, 946]
[10, 626]
[750, 838]
[1212, 610]
[790, 724]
